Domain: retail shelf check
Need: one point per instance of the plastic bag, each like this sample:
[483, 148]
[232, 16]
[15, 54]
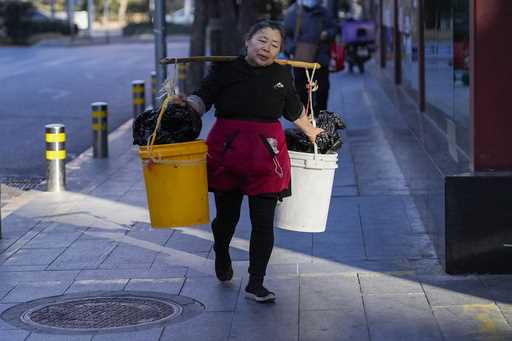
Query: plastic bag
[179, 124]
[328, 142]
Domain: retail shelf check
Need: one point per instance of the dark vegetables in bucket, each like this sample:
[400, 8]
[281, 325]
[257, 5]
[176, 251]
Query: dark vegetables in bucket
[328, 142]
[179, 124]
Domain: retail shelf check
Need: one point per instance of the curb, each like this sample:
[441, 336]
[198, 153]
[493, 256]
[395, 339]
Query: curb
[85, 156]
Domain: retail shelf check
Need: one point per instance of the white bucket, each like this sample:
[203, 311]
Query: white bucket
[312, 178]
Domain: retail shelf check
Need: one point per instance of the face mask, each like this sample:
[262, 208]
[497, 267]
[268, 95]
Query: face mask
[309, 3]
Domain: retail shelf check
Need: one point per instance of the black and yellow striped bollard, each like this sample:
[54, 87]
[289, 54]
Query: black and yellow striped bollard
[138, 97]
[153, 89]
[55, 136]
[99, 129]
[182, 75]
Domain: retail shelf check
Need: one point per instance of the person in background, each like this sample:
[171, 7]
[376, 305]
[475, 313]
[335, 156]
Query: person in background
[247, 153]
[309, 32]
[358, 51]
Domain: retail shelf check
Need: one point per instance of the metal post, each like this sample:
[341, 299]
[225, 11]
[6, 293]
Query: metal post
[160, 32]
[106, 15]
[182, 75]
[71, 18]
[154, 89]
[138, 97]
[99, 129]
[90, 17]
[56, 156]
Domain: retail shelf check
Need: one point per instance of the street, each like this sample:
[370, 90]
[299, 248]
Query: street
[42, 85]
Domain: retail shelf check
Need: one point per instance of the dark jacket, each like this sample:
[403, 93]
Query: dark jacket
[313, 22]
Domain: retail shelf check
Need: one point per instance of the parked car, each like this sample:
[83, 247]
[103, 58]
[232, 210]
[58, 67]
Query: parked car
[180, 17]
[47, 23]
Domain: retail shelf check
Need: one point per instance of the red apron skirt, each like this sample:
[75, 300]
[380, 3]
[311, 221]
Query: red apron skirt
[248, 156]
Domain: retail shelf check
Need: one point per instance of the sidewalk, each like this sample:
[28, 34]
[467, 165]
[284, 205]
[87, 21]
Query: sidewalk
[373, 275]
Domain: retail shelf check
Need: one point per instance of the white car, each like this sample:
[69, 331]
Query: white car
[180, 17]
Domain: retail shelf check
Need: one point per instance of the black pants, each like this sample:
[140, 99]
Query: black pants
[321, 96]
[262, 220]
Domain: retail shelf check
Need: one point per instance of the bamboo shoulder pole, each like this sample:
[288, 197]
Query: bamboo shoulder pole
[293, 63]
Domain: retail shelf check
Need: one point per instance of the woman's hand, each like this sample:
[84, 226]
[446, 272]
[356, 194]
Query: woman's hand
[177, 100]
[305, 125]
[313, 133]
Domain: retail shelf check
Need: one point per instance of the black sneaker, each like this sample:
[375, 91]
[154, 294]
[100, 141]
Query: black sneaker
[259, 294]
[223, 268]
[224, 272]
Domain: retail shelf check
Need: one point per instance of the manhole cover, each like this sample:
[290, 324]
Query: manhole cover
[101, 312]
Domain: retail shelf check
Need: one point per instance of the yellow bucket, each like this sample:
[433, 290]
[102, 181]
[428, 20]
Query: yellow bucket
[176, 183]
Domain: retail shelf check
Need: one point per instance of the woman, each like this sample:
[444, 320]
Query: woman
[247, 152]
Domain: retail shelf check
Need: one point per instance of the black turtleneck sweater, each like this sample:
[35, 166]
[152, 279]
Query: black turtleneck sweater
[241, 91]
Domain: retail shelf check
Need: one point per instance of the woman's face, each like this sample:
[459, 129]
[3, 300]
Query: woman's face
[263, 47]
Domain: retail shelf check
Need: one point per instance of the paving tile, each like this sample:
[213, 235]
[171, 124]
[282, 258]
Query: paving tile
[84, 254]
[339, 246]
[329, 292]
[37, 276]
[500, 289]
[128, 274]
[442, 291]
[471, 319]
[285, 256]
[97, 285]
[53, 337]
[4, 325]
[5, 288]
[409, 245]
[319, 265]
[185, 242]
[21, 268]
[166, 285]
[377, 284]
[347, 323]
[273, 321]
[400, 317]
[156, 236]
[216, 296]
[34, 257]
[53, 240]
[64, 228]
[209, 326]
[127, 256]
[13, 335]
[152, 334]
[30, 291]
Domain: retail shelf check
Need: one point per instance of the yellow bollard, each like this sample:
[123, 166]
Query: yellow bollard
[138, 97]
[99, 129]
[55, 136]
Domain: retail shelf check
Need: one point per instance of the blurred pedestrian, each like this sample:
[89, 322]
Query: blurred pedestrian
[247, 153]
[358, 51]
[309, 32]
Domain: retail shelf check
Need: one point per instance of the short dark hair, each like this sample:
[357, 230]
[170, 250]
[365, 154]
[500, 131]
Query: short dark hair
[260, 25]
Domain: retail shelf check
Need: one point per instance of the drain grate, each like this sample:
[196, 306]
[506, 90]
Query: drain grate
[101, 312]
[22, 183]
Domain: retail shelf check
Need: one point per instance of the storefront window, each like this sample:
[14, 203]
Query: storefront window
[387, 21]
[461, 62]
[408, 26]
[439, 73]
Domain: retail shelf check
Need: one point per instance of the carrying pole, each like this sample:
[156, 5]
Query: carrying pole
[293, 63]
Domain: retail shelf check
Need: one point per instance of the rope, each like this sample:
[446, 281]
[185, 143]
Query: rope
[311, 86]
[168, 91]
